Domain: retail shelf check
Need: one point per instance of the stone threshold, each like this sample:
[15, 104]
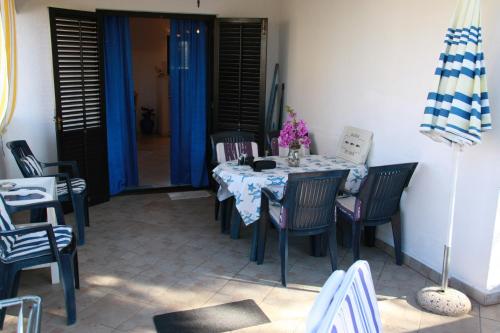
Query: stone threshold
[479, 296]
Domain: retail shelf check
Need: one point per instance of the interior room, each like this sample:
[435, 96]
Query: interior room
[150, 58]
[249, 166]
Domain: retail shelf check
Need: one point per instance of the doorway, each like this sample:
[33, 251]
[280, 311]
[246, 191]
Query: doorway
[149, 40]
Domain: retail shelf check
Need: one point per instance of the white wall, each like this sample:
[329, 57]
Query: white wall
[370, 64]
[149, 54]
[33, 119]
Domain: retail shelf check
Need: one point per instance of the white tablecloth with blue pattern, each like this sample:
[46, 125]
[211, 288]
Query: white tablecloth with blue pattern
[245, 184]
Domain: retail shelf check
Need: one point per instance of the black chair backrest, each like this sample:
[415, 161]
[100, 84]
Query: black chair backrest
[228, 137]
[309, 200]
[382, 189]
[21, 151]
[272, 142]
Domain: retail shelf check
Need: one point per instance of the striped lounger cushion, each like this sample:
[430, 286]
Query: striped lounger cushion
[32, 166]
[78, 185]
[354, 307]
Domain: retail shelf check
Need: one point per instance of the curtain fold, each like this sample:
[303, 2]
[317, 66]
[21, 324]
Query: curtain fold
[188, 102]
[8, 69]
[120, 112]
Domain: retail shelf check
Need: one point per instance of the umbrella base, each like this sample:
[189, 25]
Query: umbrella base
[451, 302]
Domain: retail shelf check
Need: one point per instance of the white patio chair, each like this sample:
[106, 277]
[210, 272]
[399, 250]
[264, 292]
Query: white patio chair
[347, 303]
[34, 304]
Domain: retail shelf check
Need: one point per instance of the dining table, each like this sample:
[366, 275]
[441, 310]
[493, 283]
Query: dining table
[245, 184]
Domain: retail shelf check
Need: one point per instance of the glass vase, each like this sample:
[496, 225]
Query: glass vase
[294, 157]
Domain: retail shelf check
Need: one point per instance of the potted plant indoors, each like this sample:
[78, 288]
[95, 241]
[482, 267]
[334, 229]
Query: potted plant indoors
[293, 136]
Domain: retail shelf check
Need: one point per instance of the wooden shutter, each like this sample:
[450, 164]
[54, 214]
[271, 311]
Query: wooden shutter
[80, 121]
[240, 75]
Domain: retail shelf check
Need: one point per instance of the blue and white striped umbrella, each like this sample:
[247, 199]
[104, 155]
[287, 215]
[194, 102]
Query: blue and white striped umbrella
[458, 106]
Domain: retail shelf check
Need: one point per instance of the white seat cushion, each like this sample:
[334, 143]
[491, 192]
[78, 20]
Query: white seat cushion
[78, 185]
[275, 212]
[354, 145]
[36, 243]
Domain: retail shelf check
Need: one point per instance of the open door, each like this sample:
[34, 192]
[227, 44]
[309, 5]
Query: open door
[80, 116]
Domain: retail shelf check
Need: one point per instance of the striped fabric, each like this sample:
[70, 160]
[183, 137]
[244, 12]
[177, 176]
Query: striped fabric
[458, 108]
[354, 306]
[78, 185]
[32, 166]
[33, 244]
[230, 151]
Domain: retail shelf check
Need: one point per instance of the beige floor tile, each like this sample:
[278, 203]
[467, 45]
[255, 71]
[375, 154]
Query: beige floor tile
[490, 312]
[431, 323]
[489, 326]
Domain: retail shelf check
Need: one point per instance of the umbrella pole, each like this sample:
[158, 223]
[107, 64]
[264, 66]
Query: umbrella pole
[441, 299]
[453, 197]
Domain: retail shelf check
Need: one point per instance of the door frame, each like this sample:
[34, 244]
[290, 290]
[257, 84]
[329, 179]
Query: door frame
[210, 21]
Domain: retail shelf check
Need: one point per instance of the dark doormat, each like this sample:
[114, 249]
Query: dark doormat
[212, 319]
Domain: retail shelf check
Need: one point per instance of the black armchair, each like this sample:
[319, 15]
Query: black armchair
[307, 209]
[35, 244]
[69, 186]
[377, 203]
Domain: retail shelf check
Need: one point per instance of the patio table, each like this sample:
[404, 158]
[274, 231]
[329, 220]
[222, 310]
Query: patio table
[245, 184]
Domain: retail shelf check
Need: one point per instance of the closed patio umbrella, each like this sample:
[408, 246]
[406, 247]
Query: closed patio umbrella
[457, 111]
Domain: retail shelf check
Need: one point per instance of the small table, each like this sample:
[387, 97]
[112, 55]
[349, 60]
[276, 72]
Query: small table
[49, 186]
[245, 184]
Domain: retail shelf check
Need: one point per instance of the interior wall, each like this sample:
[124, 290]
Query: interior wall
[149, 53]
[370, 64]
[35, 110]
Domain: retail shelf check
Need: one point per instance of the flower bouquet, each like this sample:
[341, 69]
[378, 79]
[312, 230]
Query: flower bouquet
[294, 135]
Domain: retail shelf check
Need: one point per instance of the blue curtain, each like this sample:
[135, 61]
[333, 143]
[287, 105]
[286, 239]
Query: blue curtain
[120, 113]
[188, 102]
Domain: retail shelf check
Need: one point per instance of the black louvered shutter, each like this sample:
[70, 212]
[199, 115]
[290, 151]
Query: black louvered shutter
[240, 75]
[80, 121]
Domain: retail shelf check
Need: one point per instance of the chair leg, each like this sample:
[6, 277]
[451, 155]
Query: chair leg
[370, 236]
[284, 255]
[396, 233]
[332, 246]
[217, 208]
[356, 239]
[262, 237]
[235, 223]
[79, 208]
[76, 270]
[86, 211]
[5, 289]
[68, 282]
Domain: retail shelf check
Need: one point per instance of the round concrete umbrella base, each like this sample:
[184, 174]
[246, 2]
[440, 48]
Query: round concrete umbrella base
[447, 303]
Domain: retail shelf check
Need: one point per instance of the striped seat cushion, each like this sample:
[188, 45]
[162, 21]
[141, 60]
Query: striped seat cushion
[78, 185]
[354, 307]
[350, 206]
[34, 244]
[32, 166]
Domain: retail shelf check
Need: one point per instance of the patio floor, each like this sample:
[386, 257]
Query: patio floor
[148, 255]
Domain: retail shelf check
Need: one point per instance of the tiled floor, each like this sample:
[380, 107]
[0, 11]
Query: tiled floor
[148, 255]
[153, 158]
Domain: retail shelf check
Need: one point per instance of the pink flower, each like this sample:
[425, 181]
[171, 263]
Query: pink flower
[294, 132]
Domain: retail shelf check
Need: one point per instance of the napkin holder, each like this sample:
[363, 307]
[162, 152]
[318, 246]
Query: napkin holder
[263, 165]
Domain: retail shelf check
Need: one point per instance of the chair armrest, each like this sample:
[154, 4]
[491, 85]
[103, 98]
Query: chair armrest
[37, 227]
[66, 178]
[74, 166]
[271, 196]
[39, 205]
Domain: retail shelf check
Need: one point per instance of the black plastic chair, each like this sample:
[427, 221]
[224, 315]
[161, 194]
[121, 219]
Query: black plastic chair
[225, 211]
[35, 244]
[69, 187]
[377, 203]
[307, 209]
[272, 143]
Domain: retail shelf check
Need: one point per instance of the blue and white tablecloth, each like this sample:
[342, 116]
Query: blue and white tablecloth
[245, 184]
